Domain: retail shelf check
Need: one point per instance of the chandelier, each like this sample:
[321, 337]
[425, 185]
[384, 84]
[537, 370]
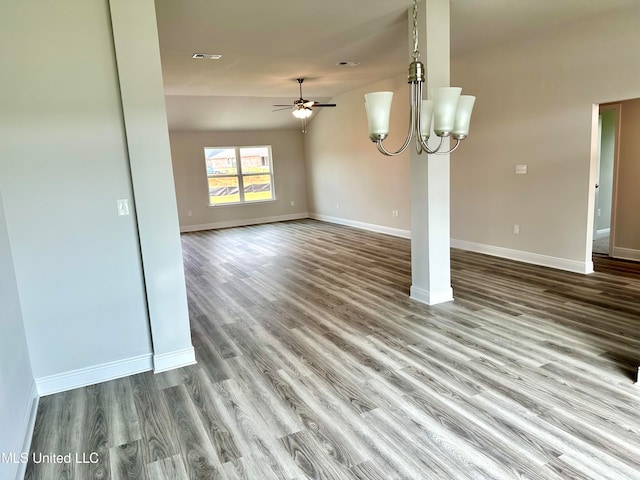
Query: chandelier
[449, 111]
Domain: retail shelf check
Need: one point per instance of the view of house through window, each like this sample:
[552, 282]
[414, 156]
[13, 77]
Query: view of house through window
[231, 181]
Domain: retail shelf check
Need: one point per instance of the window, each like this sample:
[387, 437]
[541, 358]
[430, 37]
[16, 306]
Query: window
[232, 181]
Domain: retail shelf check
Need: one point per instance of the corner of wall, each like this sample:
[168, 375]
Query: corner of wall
[169, 361]
[28, 423]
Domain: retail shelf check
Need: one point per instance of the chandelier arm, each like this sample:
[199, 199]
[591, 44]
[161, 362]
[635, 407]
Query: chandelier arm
[382, 150]
[416, 103]
[422, 145]
[452, 149]
[425, 145]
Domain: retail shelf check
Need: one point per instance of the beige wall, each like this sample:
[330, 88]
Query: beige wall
[535, 107]
[187, 151]
[347, 177]
[627, 220]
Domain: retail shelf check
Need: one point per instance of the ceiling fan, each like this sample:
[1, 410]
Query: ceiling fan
[302, 108]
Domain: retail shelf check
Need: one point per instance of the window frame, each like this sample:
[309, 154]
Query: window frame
[240, 175]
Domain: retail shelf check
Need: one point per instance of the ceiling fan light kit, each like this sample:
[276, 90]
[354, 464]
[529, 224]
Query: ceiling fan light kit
[302, 108]
[302, 112]
[449, 111]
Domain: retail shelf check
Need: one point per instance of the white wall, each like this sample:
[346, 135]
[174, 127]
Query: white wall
[187, 151]
[145, 120]
[535, 107]
[17, 388]
[73, 287]
[63, 165]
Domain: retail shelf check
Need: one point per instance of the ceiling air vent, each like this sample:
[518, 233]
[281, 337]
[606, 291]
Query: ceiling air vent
[208, 56]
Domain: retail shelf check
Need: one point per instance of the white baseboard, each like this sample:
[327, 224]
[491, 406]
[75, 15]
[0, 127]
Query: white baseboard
[605, 232]
[626, 253]
[27, 425]
[396, 232]
[243, 223]
[431, 297]
[176, 359]
[521, 256]
[440, 297]
[526, 257]
[91, 375]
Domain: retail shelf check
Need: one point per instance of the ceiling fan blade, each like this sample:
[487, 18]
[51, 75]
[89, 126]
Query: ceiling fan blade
[302, 104]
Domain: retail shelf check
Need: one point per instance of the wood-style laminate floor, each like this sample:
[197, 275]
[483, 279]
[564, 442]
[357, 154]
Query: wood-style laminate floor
[313, 363]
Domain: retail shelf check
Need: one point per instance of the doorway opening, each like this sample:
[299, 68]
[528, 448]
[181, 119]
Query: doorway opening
[608, 128]
[615, 170]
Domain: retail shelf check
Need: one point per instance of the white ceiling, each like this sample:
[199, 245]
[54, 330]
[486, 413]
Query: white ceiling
[266, 45]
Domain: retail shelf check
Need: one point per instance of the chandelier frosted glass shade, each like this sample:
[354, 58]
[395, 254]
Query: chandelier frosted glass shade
[445, 104]
[304, 112]
[449, 112]
[463, 116]
[378, 106]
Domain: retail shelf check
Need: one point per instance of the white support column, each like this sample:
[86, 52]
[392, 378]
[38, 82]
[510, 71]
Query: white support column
[430, 197]
[138, 59]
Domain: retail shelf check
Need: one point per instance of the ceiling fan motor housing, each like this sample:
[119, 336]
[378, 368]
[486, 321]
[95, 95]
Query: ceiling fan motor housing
[303, 104]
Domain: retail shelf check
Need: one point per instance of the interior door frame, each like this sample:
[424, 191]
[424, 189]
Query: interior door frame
[596, 191]
[617, 107]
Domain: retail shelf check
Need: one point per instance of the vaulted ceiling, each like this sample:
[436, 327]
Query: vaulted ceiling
[266, 45]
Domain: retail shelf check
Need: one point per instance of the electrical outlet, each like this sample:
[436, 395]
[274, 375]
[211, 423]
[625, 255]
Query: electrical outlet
[395, 213]
[337, 204]
[123, 207]
[598, 212]
[521, 169]
[293, 203]
[516, 229]
[189, 213]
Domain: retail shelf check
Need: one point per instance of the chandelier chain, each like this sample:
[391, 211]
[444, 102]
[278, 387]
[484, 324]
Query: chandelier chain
[416, 52]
